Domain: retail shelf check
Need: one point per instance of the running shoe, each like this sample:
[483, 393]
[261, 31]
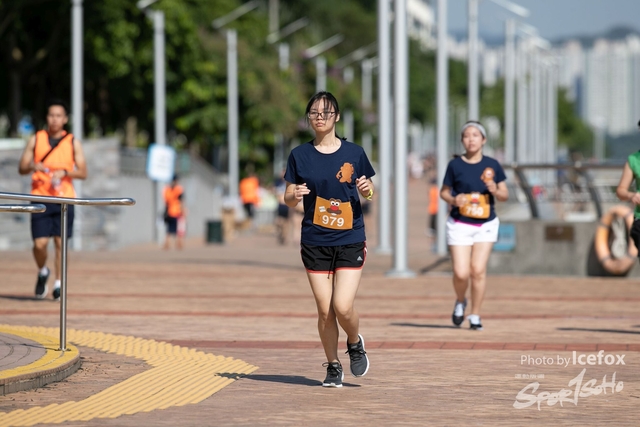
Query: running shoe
[475, 323]
[56, 293]
[458, 312]
[335, 375]
[358, 356]
[41, 285]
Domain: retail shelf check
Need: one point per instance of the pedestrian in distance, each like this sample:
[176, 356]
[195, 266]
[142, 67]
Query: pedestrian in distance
[174, 212]
[630, 173]
[328, 174]
[54, 158]
[471, 185]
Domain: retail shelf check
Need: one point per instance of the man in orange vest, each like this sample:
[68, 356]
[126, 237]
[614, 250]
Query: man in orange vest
[54, 158]
[249, 188]
[174, 211]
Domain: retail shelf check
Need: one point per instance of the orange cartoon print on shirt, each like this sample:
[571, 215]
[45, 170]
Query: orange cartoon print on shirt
[345, 173]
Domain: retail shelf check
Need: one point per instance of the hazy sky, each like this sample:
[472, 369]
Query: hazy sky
[553, 18]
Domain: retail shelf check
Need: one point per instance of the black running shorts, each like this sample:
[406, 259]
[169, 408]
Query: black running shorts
[47, 223]
[635, 234]
[328, 259]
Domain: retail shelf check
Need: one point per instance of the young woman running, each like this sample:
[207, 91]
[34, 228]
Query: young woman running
[471, 185]
[328, 175]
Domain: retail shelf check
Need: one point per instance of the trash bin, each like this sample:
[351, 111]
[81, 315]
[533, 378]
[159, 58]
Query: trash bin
[214, 232]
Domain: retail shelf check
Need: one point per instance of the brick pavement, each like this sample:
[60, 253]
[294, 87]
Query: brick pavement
[249, 300]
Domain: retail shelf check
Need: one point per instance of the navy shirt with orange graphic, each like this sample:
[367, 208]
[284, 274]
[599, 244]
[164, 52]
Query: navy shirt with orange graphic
[332, 210]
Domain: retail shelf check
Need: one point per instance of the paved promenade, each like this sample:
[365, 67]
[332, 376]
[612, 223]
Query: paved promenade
[225, 335]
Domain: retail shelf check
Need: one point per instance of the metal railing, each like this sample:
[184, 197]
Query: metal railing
[579, 183]
[64, 202]
[23, 208]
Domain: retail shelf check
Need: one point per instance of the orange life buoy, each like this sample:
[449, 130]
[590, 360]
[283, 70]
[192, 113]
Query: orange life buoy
[601, 241]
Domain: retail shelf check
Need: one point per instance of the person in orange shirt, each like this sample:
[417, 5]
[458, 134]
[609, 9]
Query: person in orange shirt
[249, 192]
[174, 211]
[54, 158]
[434, 198]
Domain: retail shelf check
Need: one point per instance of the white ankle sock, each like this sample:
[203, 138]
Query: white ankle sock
[56, 284]
[44, 270]
[474, 318]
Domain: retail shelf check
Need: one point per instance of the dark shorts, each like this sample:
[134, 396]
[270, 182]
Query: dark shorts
[172, 225]
[47, 223]
[249, 209]
[328, 259]
[635, 234]
[283, 211]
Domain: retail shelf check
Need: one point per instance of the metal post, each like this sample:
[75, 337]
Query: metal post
[159, 99]
[521, 153]
[474, 84]
[348, 125]
[443, 108]
[509, 92]
[274, 16]
[321, 74]
[283, 55]
[159, 77]
[63, 278]
[77, 110]
[232, 106]
[401, 97]
[384, 129]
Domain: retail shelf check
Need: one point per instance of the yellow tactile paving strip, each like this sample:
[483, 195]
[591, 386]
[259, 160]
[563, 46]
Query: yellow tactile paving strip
[52, 359]
[179, 376]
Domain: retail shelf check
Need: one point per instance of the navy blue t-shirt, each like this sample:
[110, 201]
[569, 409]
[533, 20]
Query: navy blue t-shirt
[329, 176]
[463, 177]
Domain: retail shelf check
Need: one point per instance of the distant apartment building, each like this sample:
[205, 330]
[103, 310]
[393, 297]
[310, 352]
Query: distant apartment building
[420, 22]
[611, 85]
[603, 79]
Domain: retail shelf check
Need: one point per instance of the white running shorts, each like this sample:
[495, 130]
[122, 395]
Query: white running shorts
[463, 234]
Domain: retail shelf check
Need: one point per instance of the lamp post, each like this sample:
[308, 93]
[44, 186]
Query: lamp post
[384, 129]
[232, 91]
[474, 85]
[315, 52]
[401, 103]
[77, 110]
[442, 122]
[159, 89]
[473, 81]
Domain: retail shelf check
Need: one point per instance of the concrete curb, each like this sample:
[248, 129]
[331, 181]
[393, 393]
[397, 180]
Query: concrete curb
[54, 366]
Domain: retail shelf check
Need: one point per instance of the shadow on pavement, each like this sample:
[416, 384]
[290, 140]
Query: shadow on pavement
[419, 325]
[435, 264]
[615, 331]
[291, 379]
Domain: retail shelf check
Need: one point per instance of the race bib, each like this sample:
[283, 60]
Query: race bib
[333, 214]
[477, 206]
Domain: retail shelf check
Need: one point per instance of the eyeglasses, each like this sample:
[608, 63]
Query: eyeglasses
[323, 114]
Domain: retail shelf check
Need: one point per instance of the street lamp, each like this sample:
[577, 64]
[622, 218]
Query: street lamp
[321, 62]
[232, 91]
[401, 116]
[442, 119]
[474, 85]
[384, 128]
[77, 111]
[283, 62]
[159, 84]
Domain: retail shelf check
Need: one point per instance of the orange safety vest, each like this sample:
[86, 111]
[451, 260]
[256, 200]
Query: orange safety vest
[249, 187]
[434, 198]
[171, 198]
[61, 157]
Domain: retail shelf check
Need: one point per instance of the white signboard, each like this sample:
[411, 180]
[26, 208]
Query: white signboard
[161, 162]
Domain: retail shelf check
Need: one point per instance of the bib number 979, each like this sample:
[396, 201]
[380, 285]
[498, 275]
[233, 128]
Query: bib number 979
[332, 220]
